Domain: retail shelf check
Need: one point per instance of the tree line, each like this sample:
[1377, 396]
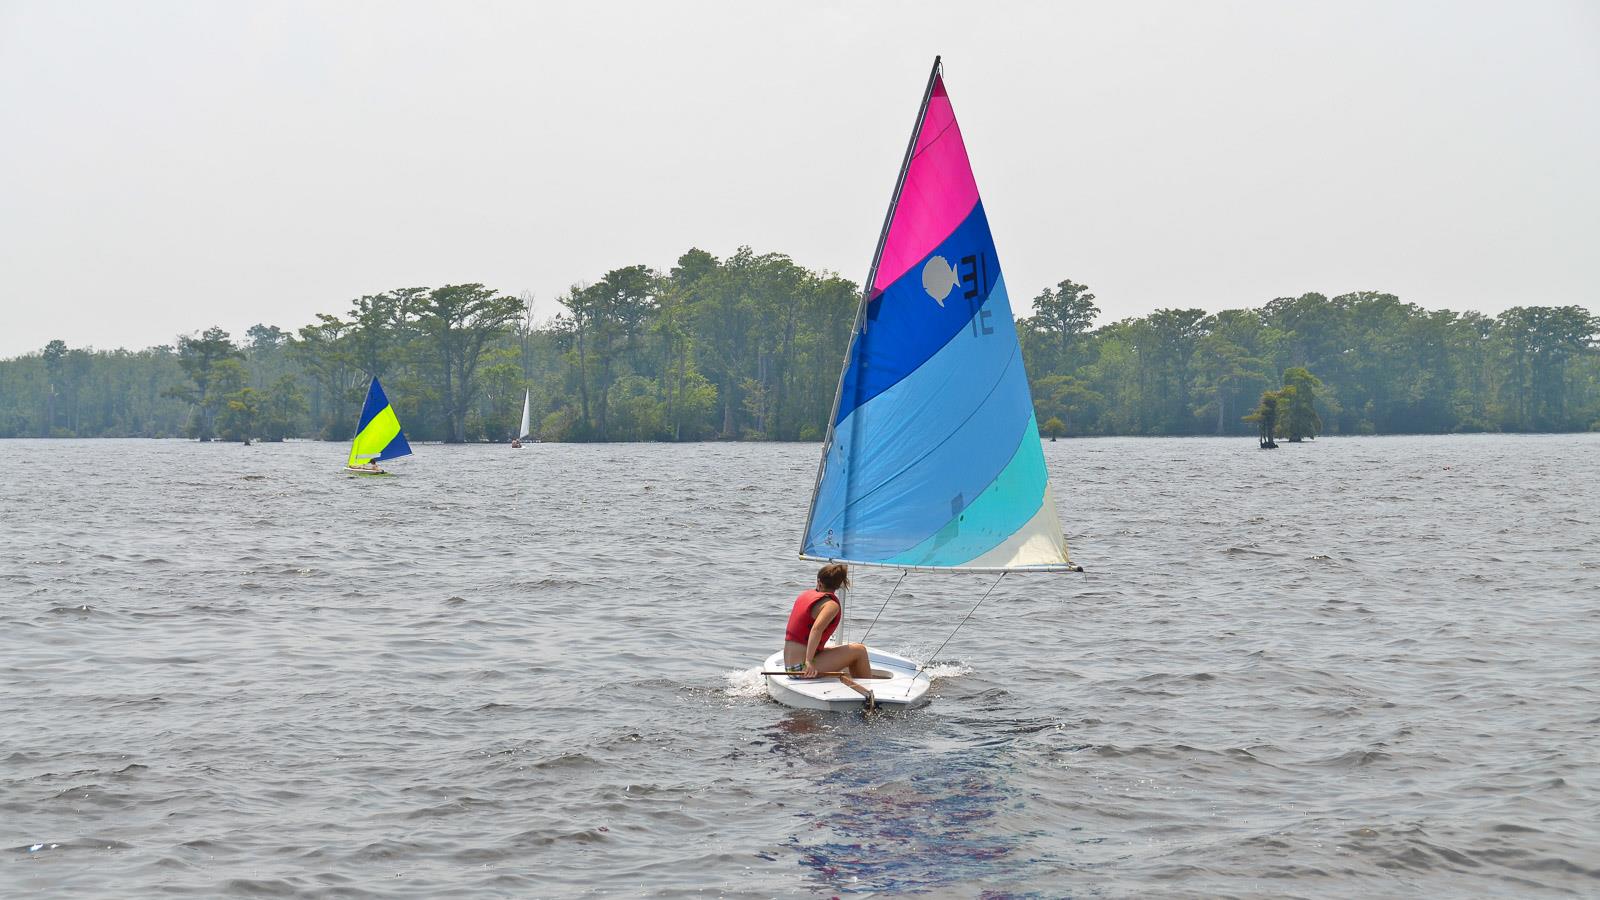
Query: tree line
[749, 347]
[1378, 366]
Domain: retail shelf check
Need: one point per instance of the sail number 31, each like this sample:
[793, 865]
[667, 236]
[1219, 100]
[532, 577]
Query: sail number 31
[974, 275]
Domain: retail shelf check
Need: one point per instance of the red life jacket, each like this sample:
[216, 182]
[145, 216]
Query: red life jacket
[801, 618]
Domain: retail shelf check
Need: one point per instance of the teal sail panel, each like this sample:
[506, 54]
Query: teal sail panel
[933, 457]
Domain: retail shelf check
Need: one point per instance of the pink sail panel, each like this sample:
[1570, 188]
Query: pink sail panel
[938, 194]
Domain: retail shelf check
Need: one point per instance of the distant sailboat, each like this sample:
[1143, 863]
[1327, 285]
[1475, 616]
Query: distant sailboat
[932, 460]
[527, 425]
[378, 435]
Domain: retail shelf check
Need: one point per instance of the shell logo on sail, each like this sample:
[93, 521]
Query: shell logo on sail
[939, 278]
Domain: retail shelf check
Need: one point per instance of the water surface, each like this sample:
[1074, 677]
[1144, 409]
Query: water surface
[1353, 668]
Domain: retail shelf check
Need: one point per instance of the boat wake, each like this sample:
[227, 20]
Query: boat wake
[745, 684]
[947, 670]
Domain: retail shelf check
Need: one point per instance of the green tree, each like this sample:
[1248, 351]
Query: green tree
[638, 413]
[502, 392]
[1266, 415]
[1228, 365]
[324, 352]
[614, 310]
[1168, 339]
[1300, 419]
[828, 306]
[680, 290]
[382, 328]
[1061, 316]
[263, 338]
[777, 298]
[460, 321]
[724, 318]
[55, 356]
[240, 415]
[1065, 400]
[1543, 351]
[285, 403]
[211, 362]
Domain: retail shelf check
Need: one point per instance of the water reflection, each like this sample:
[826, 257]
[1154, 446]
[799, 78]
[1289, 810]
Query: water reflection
[880, 806]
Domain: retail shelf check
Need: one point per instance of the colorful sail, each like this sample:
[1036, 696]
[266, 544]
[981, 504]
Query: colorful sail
[378, 434]
[933, 457]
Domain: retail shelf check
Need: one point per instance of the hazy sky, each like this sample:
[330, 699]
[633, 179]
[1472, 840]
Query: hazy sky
[167, 166]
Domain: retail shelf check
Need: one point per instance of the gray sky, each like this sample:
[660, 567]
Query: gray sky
[167, 166]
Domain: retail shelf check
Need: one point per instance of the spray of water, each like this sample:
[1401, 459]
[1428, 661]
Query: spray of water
[745, 683]
[947, 670]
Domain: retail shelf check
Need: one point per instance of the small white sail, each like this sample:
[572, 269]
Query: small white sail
[527, 426]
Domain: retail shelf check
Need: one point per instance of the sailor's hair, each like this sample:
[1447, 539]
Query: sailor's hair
[833, 576]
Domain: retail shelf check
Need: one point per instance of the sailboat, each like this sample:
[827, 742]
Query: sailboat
[932, 460]
[378, 435]
[527, 425]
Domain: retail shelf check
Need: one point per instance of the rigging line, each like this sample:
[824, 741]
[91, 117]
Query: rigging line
[903, 574]
[963, 620]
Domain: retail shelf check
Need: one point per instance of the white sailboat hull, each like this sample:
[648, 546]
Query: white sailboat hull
[904, 689]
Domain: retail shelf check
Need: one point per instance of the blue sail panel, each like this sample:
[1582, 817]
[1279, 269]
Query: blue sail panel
[1003, 509]
[906, 324]
[902, 465]
[376, 402]
[397, 447]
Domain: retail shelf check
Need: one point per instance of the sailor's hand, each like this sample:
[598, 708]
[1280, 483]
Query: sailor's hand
[810, 671]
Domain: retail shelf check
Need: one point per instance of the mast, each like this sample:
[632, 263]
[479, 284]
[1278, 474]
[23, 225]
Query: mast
[858, 326]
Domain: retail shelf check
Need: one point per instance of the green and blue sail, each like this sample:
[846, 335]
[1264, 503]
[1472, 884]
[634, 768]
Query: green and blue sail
[378, 434]
[933, 457]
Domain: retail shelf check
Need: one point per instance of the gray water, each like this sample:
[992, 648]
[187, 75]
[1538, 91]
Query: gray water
[1354, 668]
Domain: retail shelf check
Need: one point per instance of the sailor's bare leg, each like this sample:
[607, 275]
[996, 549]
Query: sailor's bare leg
[852, 657]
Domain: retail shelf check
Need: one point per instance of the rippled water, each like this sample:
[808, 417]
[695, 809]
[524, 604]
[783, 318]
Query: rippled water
[1360, 667]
